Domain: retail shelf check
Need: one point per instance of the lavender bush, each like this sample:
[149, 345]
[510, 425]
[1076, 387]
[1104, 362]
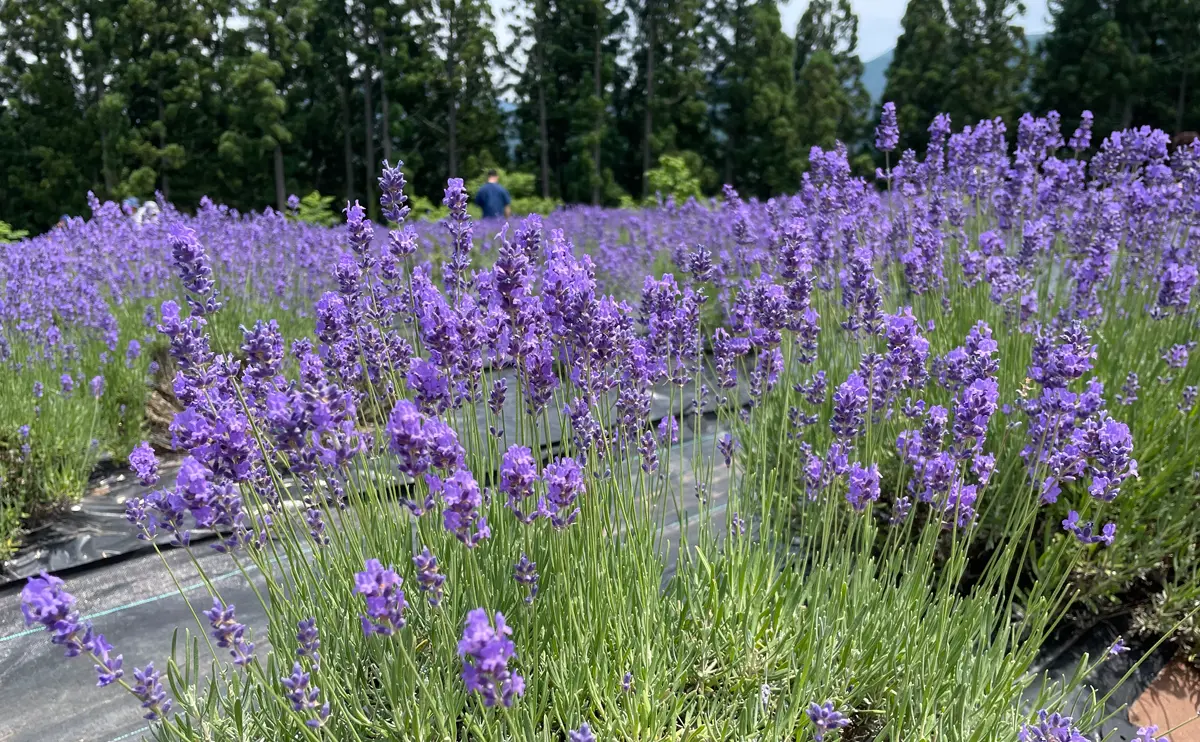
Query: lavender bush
[462, 481]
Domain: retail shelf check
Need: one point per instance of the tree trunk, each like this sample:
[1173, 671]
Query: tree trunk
[109, 186]
[452, 83]
[369, 133]
[543, 135]
[1181, 101]
[280, 191]
[597, 90]
[452, 130]
[1127, 112]
[732, 130]
[385, 133]
[162, 145]
[106, 163]
[648, 128]
[347, 150]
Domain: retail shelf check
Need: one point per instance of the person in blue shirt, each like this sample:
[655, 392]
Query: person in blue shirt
[492, 198]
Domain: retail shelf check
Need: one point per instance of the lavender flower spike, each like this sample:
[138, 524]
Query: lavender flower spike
[525, 573]
[825, 719]
[385, 599]
[304, 696]
[429, 579]
[485, 650]
[149, 690]
[887, 134]
[307, 637]
[582, 734]
[1050, 728]
[849, 408]
[1147, 734]
[391, 192]
[229, 633]
[44, 600]
[145, 464]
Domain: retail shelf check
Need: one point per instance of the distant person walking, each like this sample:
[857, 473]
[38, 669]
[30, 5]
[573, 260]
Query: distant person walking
[492, 198]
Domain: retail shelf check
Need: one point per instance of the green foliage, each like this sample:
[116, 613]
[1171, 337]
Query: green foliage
[830, 98]
[674, 178]
[662, 107]
[316, 209]
[518, 184]
[756, 116]
[822, 100]
[564, 96]
[965, 59]
[1129, 63]
[423, 208]
[8, 234]
[245, 103]
[534, 205]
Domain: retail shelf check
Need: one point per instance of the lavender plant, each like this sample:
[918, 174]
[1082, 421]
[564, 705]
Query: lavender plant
[601, 515]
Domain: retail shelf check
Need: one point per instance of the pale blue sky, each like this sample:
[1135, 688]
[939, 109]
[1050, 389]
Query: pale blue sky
[879, 21]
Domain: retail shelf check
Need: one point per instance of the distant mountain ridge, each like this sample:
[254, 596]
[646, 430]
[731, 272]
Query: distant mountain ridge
[875, 71]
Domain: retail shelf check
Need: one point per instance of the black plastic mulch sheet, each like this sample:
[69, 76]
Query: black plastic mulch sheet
[1073, 644]
[45, 697]
[92, 530]
[95, 530]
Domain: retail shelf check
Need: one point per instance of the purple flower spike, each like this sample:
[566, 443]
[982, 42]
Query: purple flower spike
[582, 734]
[864, 486]
[429, 579]
[564, 483]
[307, 637]
[462, 500]
[44, 600]
[229, 633]
[149, 690]
[518, 473]
[385, 599]
[391, 192]
[485, 650]
[304, 696]
[1112, 449]
[849, 408]
[1084, 532]
[145, 464]
[1050, 728]
[525, 573]
[887, 134]
[726, 444]
[192, 262]
[1082, 138]
[1147, 734]
[97, 386]
[108, 668]
[825, 719]
[406, 438]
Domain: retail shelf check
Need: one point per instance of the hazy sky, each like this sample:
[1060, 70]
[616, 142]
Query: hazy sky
[879, 22]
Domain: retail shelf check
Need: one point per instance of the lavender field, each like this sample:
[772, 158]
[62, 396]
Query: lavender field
[921, 422]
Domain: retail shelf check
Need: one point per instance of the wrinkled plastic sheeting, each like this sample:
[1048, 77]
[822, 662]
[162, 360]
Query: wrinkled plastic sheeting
[93, 529]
